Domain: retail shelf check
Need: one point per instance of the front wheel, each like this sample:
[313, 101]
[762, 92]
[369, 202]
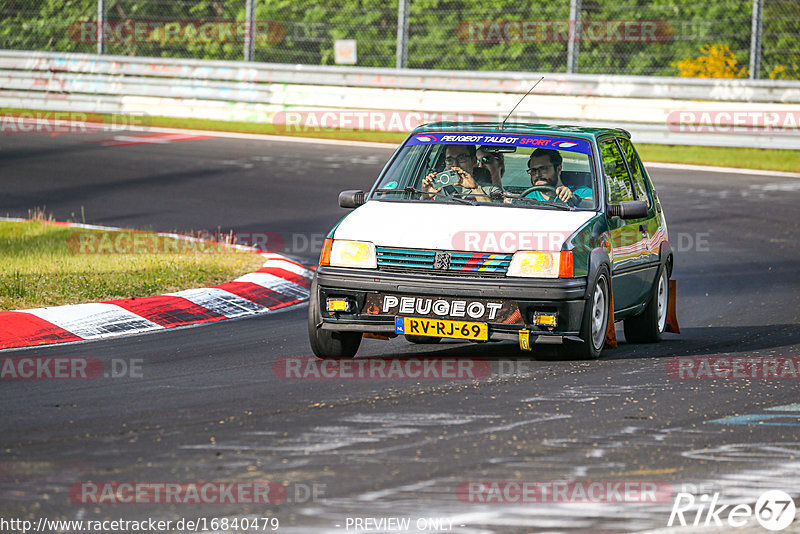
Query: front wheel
[595, 321]
[648, 326]
[328, 343]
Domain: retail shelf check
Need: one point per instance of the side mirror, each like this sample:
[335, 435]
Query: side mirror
[352, 199]
[629, 209]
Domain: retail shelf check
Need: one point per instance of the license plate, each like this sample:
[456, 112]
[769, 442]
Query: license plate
[420, 326]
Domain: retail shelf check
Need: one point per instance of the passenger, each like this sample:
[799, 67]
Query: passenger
[494, 162]
[463, 160]
[544, 168]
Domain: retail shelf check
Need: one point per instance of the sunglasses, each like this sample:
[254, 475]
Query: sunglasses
[490, 158]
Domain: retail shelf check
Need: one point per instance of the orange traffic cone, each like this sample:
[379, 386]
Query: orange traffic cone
[611, 331]
[672, 313]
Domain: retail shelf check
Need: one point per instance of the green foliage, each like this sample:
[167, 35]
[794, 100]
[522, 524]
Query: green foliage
[791, 71]
[44, 24]
[443, 34]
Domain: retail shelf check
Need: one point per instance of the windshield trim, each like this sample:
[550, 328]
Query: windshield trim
[593, 154]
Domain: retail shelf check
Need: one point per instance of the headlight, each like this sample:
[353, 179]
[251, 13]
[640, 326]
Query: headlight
[542, 264]
[353, 254]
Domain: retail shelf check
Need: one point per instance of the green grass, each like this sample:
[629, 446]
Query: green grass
[747, 158]
[49, 265]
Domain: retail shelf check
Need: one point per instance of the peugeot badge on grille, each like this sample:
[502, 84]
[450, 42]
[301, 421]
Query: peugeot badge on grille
[442, 261]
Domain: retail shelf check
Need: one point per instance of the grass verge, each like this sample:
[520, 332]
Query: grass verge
[45, 264]
[745, 158]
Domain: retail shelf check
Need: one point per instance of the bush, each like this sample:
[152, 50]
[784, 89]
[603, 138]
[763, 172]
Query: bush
[716, 61]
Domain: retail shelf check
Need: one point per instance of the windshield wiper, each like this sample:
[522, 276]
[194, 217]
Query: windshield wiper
[445, 196]
[439, 195]
[389, 191]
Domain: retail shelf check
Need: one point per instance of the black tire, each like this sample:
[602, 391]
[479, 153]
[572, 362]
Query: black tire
[328, 344]
[648, 326]
[422, 340]
[594, 324]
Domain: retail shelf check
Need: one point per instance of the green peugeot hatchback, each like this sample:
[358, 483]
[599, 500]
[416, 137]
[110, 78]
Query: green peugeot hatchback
[487, 231]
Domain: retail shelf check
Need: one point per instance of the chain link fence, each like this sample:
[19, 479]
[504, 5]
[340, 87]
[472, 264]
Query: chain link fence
[753, 38]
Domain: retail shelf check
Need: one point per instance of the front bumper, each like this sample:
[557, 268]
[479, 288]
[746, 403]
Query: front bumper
[566, 297]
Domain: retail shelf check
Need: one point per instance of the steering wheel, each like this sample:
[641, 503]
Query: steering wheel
[549, 188]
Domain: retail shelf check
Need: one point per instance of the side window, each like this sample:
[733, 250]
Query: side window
[635, 165]
[618, 182]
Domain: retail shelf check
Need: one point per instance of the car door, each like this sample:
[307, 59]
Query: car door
[643, 191]
[628, 237]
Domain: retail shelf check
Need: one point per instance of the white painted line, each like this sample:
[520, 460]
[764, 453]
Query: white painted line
[785, 408]
[265, 137]
[220, 301]
[276, 283]
[724, 170]
[95, 319]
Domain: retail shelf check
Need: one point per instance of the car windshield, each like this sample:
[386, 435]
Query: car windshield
[508, 169]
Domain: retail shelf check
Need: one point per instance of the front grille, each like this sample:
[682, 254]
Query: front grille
[474, 263]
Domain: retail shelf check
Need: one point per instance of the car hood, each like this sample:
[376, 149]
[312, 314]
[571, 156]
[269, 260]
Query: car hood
[482, 228]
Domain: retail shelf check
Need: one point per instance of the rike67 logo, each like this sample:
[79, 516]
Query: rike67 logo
[774, 510]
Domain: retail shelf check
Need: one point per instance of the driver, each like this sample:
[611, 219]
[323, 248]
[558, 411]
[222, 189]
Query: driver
[544, 168]
[462, 159]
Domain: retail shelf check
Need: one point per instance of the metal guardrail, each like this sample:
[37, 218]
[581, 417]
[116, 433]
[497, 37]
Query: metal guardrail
[735, 90]
[258, 91]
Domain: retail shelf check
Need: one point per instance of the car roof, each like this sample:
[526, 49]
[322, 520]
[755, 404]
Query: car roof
[521, 128]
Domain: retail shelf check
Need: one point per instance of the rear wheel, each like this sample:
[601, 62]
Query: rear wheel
[648, 326]
[595, 321]
[422, 340]
[328, 343]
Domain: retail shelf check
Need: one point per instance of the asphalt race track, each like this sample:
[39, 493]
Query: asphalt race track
[208, 404]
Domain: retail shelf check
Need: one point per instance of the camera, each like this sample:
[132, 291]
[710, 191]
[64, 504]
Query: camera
[445, 178]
